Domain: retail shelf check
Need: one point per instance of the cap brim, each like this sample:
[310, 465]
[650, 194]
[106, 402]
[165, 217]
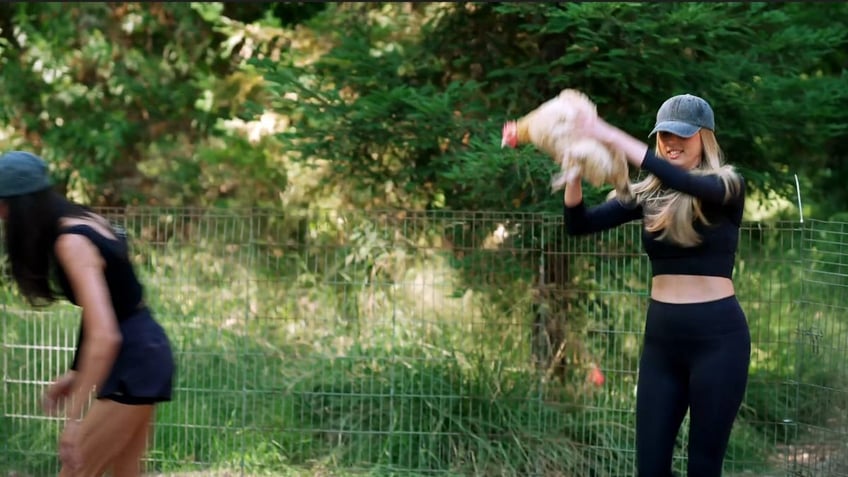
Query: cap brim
[676, 127]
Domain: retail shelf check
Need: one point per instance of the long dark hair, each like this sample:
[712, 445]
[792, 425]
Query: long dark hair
[32, 226]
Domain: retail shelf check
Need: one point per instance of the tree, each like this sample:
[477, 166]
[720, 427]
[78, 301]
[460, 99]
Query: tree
[424, 111]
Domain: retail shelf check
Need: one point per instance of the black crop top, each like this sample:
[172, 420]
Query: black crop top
[125, 289]
[716, 253]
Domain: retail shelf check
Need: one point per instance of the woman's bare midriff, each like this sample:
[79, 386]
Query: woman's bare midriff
[690, 288]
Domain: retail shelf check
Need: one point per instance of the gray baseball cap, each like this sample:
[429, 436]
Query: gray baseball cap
[21, 173]
[684, 115]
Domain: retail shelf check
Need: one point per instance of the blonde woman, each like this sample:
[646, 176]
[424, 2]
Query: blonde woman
[56, 247]
[697, 344]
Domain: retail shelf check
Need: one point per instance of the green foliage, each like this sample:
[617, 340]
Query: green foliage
[89, 103]
[751, 61]
[299, 352]
[422, 113]
[401, 104]
[126, 101]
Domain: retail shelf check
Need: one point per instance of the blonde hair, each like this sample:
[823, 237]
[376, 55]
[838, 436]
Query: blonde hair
[673, 213]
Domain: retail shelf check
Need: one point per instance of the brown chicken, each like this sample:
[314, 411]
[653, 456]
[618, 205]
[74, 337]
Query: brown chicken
[551, 129]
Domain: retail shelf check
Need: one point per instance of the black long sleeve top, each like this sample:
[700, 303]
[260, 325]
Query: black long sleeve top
[716, 253]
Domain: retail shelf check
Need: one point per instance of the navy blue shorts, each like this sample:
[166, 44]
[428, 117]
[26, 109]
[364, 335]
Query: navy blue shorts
[143, 372]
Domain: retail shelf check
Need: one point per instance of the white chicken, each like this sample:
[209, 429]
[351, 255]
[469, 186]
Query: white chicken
[551, 128]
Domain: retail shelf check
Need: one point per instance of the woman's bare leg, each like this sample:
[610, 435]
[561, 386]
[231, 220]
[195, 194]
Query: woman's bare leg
[128, 463]
[110, 433]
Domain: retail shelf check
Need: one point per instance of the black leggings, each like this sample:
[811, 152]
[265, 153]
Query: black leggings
[695, 358]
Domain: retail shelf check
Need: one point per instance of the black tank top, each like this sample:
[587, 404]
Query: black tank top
[125, 289]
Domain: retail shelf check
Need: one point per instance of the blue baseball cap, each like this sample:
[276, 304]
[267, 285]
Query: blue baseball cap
[684, 115]
[22, 173]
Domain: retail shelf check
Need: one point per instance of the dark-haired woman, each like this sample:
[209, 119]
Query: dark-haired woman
[123, 356]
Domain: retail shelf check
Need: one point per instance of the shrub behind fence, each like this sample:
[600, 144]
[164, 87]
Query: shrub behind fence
[438, 343]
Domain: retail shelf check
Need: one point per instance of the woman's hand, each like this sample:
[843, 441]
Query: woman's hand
[70, 445]
[588, 124]
[57, 392]
[593, 126]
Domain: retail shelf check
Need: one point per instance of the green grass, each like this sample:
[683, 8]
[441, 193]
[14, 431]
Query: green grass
[390, 363]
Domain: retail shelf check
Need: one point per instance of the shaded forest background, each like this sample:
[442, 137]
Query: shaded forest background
[374, 105]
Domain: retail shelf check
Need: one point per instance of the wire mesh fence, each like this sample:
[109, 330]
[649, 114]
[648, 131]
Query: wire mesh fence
[436, 343]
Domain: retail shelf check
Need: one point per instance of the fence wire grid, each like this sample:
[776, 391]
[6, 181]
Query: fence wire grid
[435, 343]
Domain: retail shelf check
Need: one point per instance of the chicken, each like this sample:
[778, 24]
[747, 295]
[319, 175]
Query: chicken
[550, 128]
